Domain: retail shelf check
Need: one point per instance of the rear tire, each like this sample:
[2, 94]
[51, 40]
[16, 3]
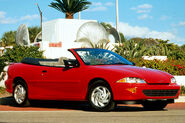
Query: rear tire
[154, 105]
[20, 93]
[100, 97]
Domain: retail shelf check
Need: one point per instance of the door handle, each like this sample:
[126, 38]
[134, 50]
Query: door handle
[44, 71]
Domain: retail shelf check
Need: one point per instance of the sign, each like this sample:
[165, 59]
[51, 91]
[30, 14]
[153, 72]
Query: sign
[59, 44]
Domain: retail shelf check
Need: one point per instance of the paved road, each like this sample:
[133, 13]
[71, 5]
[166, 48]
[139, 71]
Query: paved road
[171, 116]
[53, 112]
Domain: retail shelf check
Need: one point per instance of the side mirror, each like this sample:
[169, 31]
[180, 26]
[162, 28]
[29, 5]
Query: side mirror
[134, 64]
[71, 63]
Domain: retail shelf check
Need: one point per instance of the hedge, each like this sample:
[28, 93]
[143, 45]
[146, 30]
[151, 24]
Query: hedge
[2, 64]
[182, 90]
[17, 53]
[174, 67]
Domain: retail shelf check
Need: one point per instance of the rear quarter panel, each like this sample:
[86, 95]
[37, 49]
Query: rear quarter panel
[27, 72]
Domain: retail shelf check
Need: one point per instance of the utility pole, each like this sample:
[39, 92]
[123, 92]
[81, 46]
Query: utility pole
[40, 15]
[117, 16]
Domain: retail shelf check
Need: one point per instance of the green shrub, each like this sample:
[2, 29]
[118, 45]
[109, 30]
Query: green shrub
[17, 53]
[2, 90]
[2, 64]
[174, 67]
[177, 55]
[182, 90]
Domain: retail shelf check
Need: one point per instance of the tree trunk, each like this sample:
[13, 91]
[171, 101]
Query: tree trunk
[69, 15]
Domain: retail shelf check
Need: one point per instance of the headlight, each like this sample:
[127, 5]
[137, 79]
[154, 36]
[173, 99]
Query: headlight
[173, 80]
[131, 80]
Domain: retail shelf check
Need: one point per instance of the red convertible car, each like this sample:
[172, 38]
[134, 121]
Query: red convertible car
[101, 77]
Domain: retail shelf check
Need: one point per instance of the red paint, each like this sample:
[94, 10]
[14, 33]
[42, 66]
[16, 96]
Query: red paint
[60, 84]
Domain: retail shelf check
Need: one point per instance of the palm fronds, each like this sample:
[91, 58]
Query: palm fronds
[70, 6]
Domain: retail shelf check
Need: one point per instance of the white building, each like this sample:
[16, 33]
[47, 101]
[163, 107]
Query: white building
[60, 35]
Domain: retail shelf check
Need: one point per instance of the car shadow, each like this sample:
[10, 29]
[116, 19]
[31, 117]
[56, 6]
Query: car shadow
[68, 105]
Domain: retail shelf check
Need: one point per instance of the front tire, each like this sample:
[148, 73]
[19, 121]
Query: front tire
[20, 94]
[154, 105]
[100, 97]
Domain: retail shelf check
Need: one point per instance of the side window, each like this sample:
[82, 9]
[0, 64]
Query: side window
[68, 55]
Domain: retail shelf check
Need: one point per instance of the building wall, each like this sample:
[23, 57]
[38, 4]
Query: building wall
[60, 31]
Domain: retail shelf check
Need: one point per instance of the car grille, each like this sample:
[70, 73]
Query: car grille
[154, 93]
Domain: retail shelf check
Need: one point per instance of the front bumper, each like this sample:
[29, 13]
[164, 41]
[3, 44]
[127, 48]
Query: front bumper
[131, 92]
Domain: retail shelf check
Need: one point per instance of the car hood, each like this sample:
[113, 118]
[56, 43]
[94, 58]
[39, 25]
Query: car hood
[149, 75]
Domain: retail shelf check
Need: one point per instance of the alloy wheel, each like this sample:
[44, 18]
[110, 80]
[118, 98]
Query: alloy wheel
[19, 94]
[101, 96]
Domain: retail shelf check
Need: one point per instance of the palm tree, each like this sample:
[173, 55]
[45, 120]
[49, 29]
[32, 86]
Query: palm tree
[33, 32]
[8, 39]
[131, 49]
[70, 7]
[103, 44]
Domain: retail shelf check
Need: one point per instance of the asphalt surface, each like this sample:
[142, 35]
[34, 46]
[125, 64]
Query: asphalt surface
[79, 112]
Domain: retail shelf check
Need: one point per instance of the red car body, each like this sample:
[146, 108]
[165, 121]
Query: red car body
[58, 83]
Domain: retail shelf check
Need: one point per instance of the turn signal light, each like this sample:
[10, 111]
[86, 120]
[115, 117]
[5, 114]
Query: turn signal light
[132, 90]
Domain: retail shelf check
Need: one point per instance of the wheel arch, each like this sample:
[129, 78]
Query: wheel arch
[25, 102]
[94, 80]
[15, 80]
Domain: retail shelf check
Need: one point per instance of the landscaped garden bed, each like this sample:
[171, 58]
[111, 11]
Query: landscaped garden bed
[3, 92]
[183, 90]
[174, 67]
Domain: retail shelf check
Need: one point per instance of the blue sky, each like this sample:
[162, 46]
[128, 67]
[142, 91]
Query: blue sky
[163, 19]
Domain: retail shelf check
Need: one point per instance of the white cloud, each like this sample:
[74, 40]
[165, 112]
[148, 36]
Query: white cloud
[144, 6]
[180, 40]
[2, 14]
[10, 20]
[181, 23]
[109, 4]
[144, 16]
[143, 11]
[161, 35]
[144, 32]
[132, 31]
[5, 20]
[96, 3]
[99, 6]
[133, 8]
[29, 17]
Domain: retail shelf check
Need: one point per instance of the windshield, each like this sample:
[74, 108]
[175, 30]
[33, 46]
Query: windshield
[101, 57]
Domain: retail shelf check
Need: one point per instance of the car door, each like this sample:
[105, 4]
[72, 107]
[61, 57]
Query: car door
[61, 83]
[33, 75]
